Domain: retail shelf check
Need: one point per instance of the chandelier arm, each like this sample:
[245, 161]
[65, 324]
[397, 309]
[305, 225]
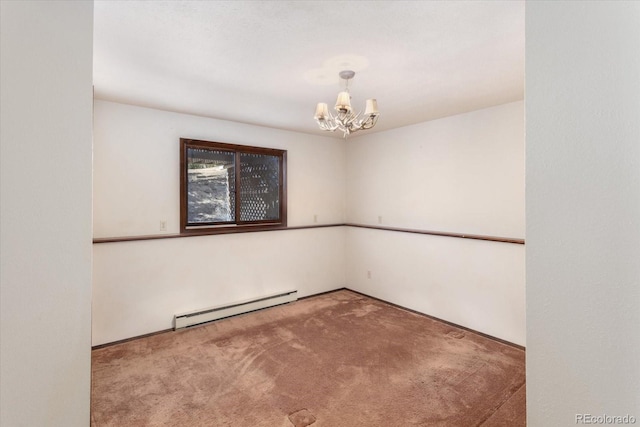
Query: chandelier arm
[352, 122]
[371, 122]
[323, 124]
[330, 124]
[335, 122]
[368, 122]
[328, 127]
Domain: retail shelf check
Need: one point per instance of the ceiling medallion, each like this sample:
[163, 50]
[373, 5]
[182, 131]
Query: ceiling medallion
[345, 119]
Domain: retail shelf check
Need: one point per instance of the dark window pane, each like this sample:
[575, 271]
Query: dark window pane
[210, 186]
[259, 187]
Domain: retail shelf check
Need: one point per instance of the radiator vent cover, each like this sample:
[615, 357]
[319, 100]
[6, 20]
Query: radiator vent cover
[197, 317]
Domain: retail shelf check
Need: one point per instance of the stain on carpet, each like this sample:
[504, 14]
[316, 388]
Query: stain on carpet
[456, 334]
[302, 418]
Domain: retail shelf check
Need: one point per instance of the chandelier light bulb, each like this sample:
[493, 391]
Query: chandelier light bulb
[343, 103]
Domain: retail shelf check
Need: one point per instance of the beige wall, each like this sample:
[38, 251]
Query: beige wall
[460, 174]
[583, 210]
[46, 74]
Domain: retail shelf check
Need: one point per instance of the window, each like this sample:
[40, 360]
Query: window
[228, 188]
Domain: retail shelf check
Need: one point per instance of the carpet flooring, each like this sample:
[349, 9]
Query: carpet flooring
[334, 360]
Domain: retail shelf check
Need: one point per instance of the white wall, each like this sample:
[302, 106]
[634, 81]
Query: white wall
[583, 210]
[139, 286]
[473, 283]
[137, 168]
[461, 174]
[46, 75]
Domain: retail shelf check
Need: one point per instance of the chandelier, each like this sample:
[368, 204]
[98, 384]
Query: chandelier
[345, 119]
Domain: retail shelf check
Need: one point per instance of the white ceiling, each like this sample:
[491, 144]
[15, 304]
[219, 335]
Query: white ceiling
[269, 62]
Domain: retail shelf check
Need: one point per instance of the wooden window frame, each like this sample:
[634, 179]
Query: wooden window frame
[237, 226]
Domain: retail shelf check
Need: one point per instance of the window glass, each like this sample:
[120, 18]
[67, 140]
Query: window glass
[210, 186]
[226, 187]
[259, 187]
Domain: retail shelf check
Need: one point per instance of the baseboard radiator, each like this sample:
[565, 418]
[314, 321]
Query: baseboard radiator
[197, 317]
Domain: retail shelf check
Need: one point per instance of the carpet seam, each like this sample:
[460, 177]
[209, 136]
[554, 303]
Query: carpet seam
[483, 421]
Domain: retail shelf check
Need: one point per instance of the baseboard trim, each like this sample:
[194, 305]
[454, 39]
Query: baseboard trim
[455, 325]
[500, 340]
[137, 337]
[322, 293]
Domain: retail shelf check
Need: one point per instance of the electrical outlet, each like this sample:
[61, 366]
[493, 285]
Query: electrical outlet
[368, 274]
[379, 219]
[163, 225]
[315, 217]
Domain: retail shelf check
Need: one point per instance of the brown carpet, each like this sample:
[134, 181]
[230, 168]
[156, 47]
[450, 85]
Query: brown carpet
[335, 360]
